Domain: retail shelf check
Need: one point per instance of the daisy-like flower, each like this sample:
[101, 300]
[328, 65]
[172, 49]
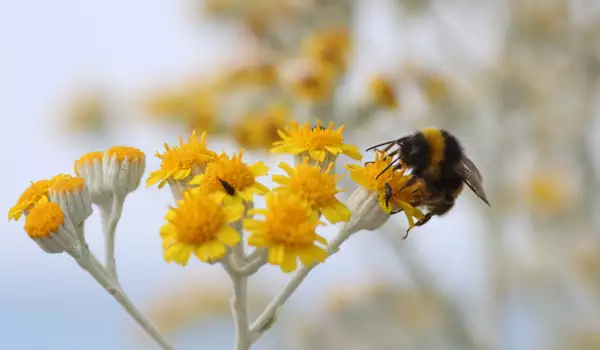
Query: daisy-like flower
[309, 80]
[34, 194]
[287, 231]
[200, 224]
[259, 130]
[316, 142]
[73, 198]
[371, 194]
[331, 46]
[123, 167]
[89, 167]
[180, 163]
[316, 186]
[382, 93]
[46, 225]
[233, 173]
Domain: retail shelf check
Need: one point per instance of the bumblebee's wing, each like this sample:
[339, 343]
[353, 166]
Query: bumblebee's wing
[471, 176]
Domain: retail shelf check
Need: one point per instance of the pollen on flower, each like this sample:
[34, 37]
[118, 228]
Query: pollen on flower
[316, 186]
[317, 142]
[200, 225]
[125, 152]
[87, 160]
[237, 174]
[43, 220]
[288, 231]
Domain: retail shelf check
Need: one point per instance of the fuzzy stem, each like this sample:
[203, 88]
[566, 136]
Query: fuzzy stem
[268, 316]
[91, 264]
[109, 226]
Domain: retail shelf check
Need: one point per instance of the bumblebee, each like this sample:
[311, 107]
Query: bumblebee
[436, 157]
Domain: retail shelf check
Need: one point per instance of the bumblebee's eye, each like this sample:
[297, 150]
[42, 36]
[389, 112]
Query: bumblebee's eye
[414, 150]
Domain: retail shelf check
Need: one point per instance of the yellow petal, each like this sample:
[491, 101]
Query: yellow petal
[281, 179]
[197, 180]
[217, 250]
[321, 239]
[289, 263]
[288, 169]
[154, 177]
[259, 169]
[276, 255]
[352, 152]
[233, 212]
[258, 241]
[228, 235]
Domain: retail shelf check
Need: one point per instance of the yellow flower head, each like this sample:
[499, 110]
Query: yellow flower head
[254, 74]
[259, 130]
[200, 110]
[122, 153]
[406, 199]
[200, 224]
[180, 162]
[331, 46]
[34, 194]
[316, 186]
[43, 220]
[312, 80]
[316, 141]
[288, 231]
[232, 172]
[381, 92]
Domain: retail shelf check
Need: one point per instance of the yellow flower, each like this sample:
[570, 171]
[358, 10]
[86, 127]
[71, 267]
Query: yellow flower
[200, 110]
[44, 220]
[253, 74]
[433, 86]
[311, 80]
[288, 231]
[331, 46]
[259, 130]
[180, 162]
[316, 141]
[235, 173]
[46, 225]
[406, 199]
[200, 224]
[381, 92]
[316, 186]
[123, 168]
[34, 194]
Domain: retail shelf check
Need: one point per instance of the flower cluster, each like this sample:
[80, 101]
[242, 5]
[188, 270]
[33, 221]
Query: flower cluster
[215, 204]
[56, 208]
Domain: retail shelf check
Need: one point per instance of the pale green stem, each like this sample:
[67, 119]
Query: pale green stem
[239, 304]
[109, 226]
[91, 264]
[269, 315]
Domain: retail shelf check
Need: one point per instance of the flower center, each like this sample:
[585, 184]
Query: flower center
[235, 173]
[43, 219]
[125, 152]
[289, 224]
[313, 185]
[198, 220]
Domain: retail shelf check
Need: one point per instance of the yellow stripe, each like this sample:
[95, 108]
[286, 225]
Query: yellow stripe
[437, 145]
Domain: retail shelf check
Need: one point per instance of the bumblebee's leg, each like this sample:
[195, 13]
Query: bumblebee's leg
[441, 208]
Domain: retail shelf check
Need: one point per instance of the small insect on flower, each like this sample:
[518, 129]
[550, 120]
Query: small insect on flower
[435, 157]
[239, 177]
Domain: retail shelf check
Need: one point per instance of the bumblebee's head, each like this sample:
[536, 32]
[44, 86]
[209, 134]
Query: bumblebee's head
[414, 151]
